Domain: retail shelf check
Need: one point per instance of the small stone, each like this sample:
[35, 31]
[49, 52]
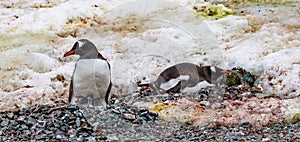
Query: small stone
[80, 138]
[153, 114]
[21, 118]
[176, 95]
[27, 133]
[56, 125]
[73, 139]
[72, 107]
[144, 112]
[47, 132]
[31, 121]
[10, 115]
[24, 127]
[180, 137]
[85, 134]
[116, 111]
[78, 123]
[45, 108]
[40, 136]
[63, 128]
[223, 128]
[205, 103]
[4, 122]
[265, 139]
[59, 136]
[128, 116]
[102, 138]
[72, 118]
[245, 124]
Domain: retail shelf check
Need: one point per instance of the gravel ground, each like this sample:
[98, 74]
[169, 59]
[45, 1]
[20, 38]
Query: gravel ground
[122, 122]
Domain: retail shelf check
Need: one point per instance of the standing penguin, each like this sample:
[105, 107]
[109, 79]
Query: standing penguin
[91, 79]
[185, 77]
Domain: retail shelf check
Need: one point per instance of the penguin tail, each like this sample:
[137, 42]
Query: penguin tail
[143, 85]
[140, 84]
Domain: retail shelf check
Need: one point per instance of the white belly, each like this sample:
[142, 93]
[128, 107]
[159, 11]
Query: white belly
[91, 78]
[198, 87]
[172, 82]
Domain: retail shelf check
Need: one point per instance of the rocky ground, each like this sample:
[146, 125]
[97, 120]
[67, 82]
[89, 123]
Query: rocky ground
[122, 121]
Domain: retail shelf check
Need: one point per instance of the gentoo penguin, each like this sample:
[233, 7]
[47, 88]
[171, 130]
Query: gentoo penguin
[184, 76]
[91, 79]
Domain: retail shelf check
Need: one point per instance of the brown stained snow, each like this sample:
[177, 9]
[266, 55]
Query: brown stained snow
[255, 111]
[181, 110]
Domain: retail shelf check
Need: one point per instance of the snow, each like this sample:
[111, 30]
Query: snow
[140, 39]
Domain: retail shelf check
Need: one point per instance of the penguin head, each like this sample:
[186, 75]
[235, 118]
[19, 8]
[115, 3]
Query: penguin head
[84, 48]
[212, 73]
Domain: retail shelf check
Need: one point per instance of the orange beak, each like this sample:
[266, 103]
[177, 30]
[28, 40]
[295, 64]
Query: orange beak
[71, 52]
[225, 71]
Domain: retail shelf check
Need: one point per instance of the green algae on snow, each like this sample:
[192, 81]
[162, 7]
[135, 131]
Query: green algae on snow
[212, 11]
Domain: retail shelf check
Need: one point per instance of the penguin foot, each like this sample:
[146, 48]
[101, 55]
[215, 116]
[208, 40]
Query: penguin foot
[98, 102]
[80, 100]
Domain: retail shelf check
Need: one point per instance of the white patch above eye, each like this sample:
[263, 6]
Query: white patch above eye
[213, 69]
[80, 44]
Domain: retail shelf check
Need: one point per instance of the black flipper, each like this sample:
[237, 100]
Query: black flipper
[71, 90]
[107, 93]
[71, 86]
[101, 57]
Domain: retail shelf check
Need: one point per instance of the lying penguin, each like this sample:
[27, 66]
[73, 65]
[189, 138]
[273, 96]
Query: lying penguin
[91, 79]
[185, 77]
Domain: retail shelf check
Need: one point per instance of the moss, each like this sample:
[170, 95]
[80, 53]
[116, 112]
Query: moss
[296, 118]
[158, 107]
[68, 32]
[78, 21]
[233, 80]
[273, 122]
[238, 76]
[189, 123]
[73, 25]
[212, 11]
[43, 6]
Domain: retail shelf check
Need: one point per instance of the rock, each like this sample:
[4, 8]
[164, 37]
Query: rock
[31, 121]
[4, 122]
[78, 122]
[116, 111]
[128, 116]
